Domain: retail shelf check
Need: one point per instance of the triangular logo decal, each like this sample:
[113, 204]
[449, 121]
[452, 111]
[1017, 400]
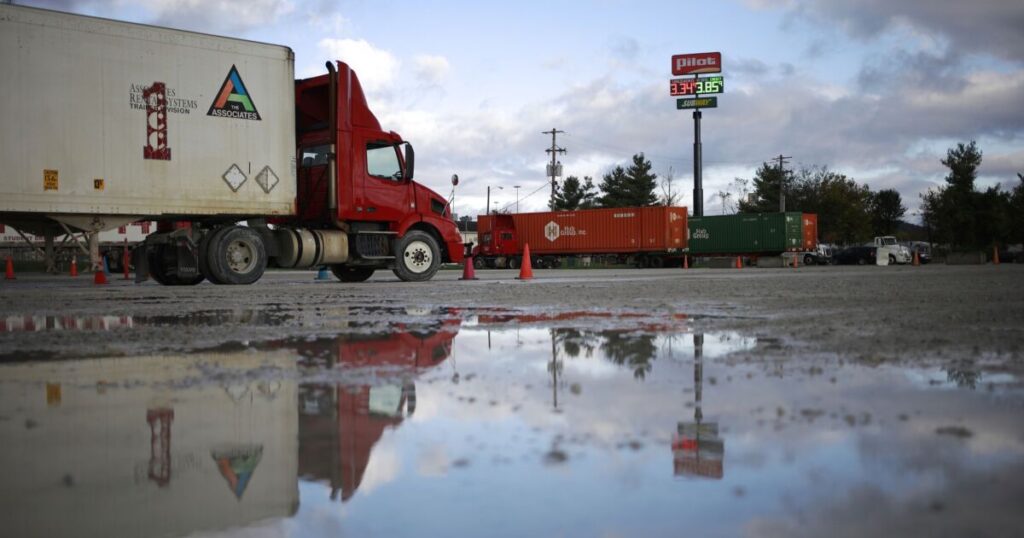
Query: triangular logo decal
[233, 100]
[237, 466]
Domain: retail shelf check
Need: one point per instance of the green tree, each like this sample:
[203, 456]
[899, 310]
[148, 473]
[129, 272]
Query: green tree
[886, 211]
[1016, 234]
[765, 197]
[631, 187]
[573, 194]
[843, 206]
[956, 213]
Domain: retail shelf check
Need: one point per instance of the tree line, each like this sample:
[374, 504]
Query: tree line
[956, 214]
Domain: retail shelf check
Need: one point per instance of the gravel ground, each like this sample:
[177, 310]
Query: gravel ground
[871, 314]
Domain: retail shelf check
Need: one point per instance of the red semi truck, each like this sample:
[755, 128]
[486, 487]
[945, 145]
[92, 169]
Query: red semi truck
[645, 236]
[241, 166]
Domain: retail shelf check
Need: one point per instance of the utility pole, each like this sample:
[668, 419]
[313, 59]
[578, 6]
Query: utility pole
[553, 168]
[782, 183]
[698, 183]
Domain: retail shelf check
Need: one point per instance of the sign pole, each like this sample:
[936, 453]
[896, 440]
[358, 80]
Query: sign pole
[698, 190]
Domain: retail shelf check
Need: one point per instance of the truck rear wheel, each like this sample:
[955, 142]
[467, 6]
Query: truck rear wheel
[513, 263]
[478, 262]
[417, 257]
[236, 255]
[352, 274]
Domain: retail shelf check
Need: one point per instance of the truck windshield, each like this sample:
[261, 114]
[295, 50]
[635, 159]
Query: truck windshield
[315, 155]
[382, 161]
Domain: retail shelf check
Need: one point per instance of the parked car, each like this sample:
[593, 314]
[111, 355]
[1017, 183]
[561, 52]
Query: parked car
[923, 251]
[862, 255]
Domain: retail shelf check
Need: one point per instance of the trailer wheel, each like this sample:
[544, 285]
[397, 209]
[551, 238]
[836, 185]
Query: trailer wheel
[514, 263]
[346, 273]
[236, 255]
[417, 257]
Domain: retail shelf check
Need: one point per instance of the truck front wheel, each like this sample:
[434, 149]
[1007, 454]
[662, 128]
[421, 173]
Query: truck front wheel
[417, 257]
[352, 274]
[236, 255]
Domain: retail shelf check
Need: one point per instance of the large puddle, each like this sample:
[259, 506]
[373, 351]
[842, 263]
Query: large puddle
[504, 425]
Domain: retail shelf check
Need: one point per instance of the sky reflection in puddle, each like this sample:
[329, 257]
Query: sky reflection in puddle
[496, 430]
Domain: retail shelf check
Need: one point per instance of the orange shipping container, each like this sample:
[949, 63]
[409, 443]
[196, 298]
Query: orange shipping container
[810, 231]
[586, 231]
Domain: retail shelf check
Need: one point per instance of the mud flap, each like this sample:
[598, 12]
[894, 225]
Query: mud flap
[141, 256]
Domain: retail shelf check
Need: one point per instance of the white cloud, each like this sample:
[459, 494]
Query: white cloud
[216, 15]
[431, 69]
[377, 68]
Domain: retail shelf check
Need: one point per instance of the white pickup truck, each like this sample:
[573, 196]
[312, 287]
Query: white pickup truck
[890, 251]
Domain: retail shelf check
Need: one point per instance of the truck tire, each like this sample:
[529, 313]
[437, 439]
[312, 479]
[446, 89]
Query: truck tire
[347, 273]
[657, 262]
[892, 259]
[514, 263]
[417, 257]
[236, 255]
[478, 262]
[808, 260]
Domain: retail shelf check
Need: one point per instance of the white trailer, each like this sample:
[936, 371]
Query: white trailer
[107, 123]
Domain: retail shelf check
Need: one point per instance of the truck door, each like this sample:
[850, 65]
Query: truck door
[313, 177]
[386, 192]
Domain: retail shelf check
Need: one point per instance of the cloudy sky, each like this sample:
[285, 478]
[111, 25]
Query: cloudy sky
[876, 89]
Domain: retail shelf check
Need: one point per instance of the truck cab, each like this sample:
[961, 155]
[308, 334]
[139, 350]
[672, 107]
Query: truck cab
[356, 178]
[499, 244]
[890, 251]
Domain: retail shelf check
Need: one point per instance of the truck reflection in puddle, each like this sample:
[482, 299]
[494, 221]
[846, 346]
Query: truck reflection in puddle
[340, 422]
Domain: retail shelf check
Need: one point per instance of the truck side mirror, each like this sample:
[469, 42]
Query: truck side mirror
[410, 161]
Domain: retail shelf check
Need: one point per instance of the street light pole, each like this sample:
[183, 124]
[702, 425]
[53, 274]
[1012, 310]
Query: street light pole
[488, 206]
[517, 198]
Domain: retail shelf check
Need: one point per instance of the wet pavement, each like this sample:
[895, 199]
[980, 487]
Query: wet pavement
[386, 420]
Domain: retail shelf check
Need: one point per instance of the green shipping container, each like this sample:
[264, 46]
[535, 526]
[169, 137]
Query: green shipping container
[746, 233]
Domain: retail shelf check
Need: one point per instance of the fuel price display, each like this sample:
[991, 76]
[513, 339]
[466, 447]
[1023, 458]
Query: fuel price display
[696, 86]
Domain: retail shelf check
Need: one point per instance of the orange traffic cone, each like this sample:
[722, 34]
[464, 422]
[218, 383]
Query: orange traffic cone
[526, 271]
[468, 272]
[10, 269]
[917, 260]
[686, 262]
[739, 263]
[995, 255]
[99, 276]
[74, 266]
